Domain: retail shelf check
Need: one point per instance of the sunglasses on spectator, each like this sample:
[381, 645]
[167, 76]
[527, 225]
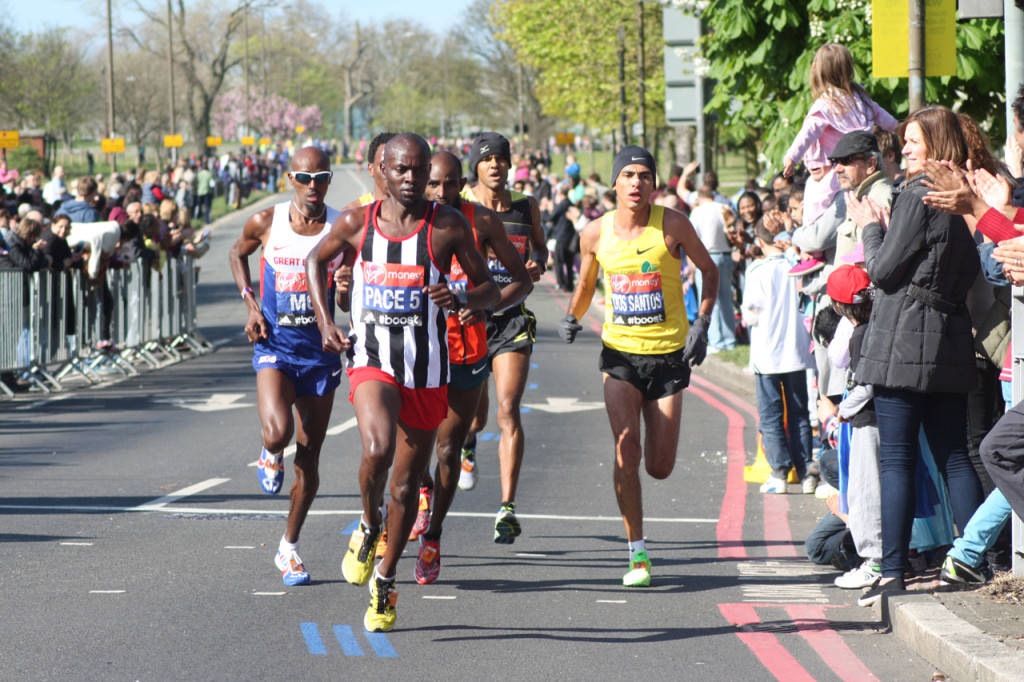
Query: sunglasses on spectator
[847, 160]
[304, 178]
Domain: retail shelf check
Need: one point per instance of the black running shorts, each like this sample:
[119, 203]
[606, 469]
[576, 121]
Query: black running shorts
[655, 376]
[510, 331]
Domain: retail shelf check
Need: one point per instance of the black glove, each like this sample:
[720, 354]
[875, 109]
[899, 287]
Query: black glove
[696, 342]
[568, 328]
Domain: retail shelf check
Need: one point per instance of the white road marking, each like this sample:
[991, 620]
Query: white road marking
[268, 594]
[437, 596]
[220, 342]
[160, 503]
[38, 403]
[565, 405]
[333, 431]
[611, 601]
[532, 556]
[77, 544]
[240, 547]
[341, 428]
[106, 591]
[150, 507]
[215, 403]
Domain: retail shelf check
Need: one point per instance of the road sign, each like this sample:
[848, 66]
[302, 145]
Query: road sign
[248, 140]
[214, 141]
[9, 139]
[890, 31]
[264, 141]
[565, 139]
[300, 129]
[173, 141]
[112, 145]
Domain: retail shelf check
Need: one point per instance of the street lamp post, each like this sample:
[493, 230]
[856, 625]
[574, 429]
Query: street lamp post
[110, 83]
[170, 76]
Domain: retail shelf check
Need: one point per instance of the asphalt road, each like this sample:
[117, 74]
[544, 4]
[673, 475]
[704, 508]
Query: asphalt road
[137, 545]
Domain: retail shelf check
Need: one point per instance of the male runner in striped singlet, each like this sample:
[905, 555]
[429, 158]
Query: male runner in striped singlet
[467, 354]
[380, 188]
[404, 247]
[647, 350]
[292, 369]
[511, 333]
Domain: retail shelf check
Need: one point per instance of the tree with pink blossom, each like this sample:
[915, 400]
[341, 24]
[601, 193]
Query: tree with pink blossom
[269, 115]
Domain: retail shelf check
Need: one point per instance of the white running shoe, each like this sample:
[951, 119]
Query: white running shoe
[809, 484]
[860, 577]
[776, 486]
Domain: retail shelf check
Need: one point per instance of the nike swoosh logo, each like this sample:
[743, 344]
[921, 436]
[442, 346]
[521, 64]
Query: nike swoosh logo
[278, 247]
[478, 370]
[640, 253]
[336, 373]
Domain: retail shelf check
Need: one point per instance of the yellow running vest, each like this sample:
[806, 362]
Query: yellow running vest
[644, 310]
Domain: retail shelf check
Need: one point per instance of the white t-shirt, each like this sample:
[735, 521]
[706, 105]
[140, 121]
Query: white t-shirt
[102, 238]
[779, 340]
[707, 219]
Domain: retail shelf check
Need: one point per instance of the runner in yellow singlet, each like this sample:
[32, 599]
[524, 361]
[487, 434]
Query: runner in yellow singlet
[648, 344]
[373, 158]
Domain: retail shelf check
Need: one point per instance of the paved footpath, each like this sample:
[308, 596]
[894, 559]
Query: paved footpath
[138, 545]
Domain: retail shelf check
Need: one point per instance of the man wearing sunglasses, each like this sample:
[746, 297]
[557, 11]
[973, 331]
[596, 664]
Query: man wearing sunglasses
[380, 188]
[399, 373]
[860, 169]
[293, 372]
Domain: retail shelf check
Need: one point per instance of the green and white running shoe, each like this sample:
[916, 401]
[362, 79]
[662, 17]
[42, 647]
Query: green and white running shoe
[640, 571]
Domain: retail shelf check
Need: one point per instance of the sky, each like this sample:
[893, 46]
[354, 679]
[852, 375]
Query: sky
[34, 15]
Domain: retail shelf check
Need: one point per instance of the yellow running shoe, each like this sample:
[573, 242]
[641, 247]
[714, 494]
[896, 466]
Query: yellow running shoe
[357, 566]
[640, 575]
[380, 617]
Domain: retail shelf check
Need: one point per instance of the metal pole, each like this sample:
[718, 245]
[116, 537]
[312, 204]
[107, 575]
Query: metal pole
[640, 68]
[247, 101]
[170, 75]
[1013, 42]
[622, 86]
[110, 83]
[916, 63]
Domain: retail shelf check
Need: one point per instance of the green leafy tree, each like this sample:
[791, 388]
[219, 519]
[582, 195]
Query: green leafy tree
[46, 83]
[573, 46]
[760, 54]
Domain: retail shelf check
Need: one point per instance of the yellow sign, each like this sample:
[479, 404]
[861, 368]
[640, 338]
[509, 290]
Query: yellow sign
[112, 145]
[249, 140]
[565, 139]
[890, 29]
[9, 139]
[173, 141]
[300, 129]
[264, 141]
[214, 141]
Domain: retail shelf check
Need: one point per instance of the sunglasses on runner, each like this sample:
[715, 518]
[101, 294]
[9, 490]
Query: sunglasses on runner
[304, 178]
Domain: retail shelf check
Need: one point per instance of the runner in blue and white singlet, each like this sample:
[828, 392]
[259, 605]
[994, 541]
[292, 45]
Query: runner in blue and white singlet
[295, 378]
[293, 336]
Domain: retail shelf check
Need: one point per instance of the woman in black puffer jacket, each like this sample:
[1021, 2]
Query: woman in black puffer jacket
[919, 351]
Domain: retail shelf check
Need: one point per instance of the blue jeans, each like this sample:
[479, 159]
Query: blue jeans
[983, 529]
[722, 330]
[826, 540]
[901, 415]
[782, 397]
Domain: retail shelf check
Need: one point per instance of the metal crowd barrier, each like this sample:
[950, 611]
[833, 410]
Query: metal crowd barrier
[58, 325]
